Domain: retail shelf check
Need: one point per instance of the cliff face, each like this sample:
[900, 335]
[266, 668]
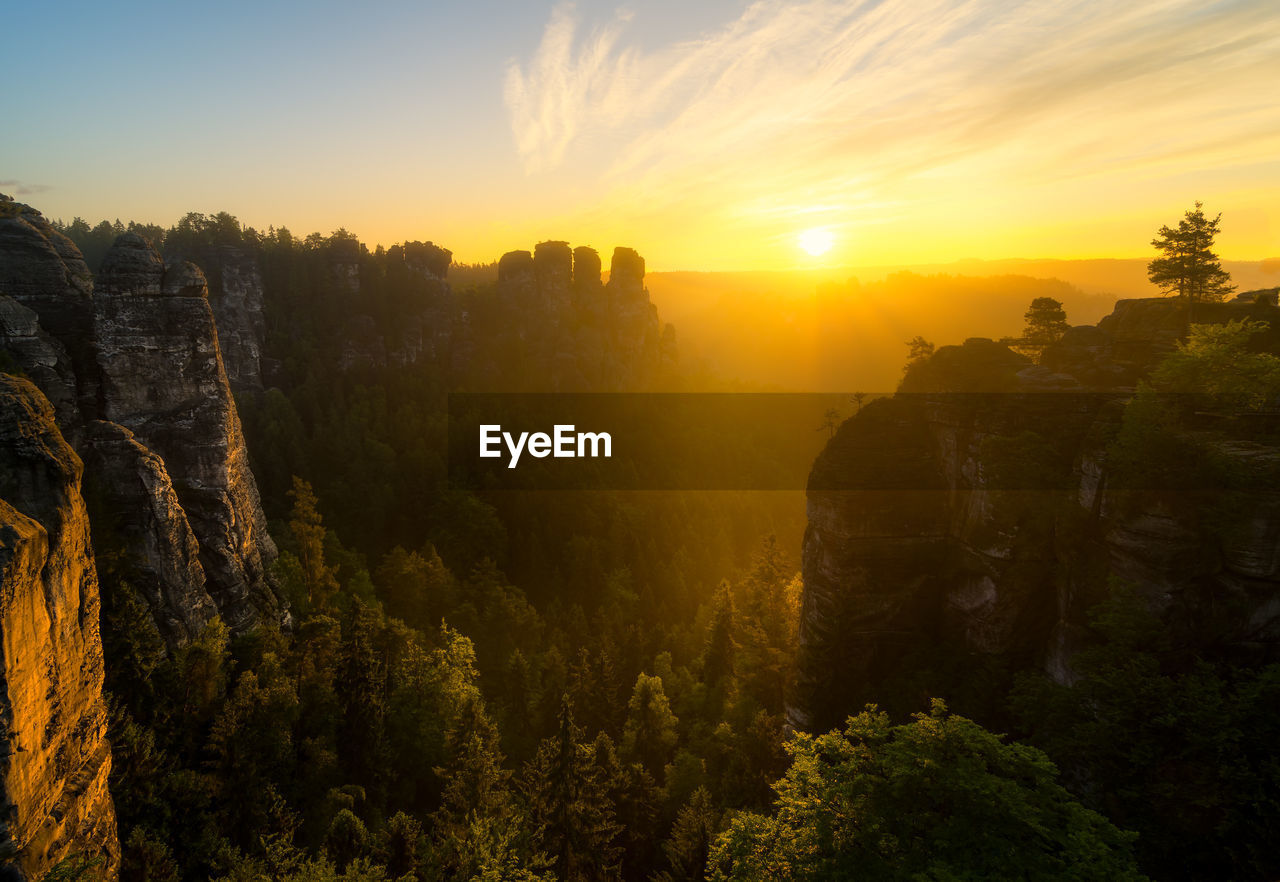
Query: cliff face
[139, 511]
[162, 379]
[54, 756]
[976, 510]
[589, 334]
[425, 325]
[132, 364]
[43, 271]
[236, 297]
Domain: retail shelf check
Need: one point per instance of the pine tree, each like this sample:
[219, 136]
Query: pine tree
[567, 806]
[719, 657]
[476, 797]
[308, 533]
[346, 840]
[1188, 266]
[362, 735]
[1046, 323]
[691, 839]
[649, 736]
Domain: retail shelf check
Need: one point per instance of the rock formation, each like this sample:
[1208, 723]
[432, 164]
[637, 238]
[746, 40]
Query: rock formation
[54, 756]
[344, 264]
[41, 357]
[237, 298]
[132, 364]
[582, 334]
[586, 274]
[976, 510]
[43, 271]
[141, 514]
[162, 379]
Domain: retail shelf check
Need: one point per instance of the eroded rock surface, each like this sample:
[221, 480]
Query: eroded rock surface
[54, 754]
[976, 510]
[162, 378]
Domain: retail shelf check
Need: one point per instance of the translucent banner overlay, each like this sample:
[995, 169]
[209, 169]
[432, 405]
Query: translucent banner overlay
[1018, 441]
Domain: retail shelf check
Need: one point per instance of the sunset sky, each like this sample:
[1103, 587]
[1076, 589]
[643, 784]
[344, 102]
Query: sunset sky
[709, 135]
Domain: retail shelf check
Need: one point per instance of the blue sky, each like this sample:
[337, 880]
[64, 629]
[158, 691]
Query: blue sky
[709, 135]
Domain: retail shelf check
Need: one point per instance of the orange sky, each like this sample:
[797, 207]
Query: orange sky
[909, 131]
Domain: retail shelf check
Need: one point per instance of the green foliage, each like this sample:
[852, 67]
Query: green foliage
[692, 837]
[1217, 365]
[346, 840]
[1173, 747]
[72, 869]
[308, 534]
[9, 365]
[649, 736]
[1152, 452]
[572, 819]
[1188, 267]
[938, 798]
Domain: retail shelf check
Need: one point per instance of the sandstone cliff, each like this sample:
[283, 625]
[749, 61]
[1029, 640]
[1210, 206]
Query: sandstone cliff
[582, 332]
[54, 756]
[976, 511]
[162, 378]
[43, 271]
[133, 367]
[133, 364]
[237, 299]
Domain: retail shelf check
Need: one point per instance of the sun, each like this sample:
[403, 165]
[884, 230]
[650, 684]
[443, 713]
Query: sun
[816, 241]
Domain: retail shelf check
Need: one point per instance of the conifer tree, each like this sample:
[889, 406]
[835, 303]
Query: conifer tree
[1188, 267]
[476, 794]
[308, 533]
[363, 687]
[692, 837]
[719, 660]
[649, 736]
[567, 806]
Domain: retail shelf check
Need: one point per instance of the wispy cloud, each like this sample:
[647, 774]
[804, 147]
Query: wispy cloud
[863, 102]
[18, 188]
[550, 101]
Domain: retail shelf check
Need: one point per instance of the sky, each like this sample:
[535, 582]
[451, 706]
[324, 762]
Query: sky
[711, 135]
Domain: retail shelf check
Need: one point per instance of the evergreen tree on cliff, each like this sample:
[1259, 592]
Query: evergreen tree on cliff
[1188, 267]
[1046, 323]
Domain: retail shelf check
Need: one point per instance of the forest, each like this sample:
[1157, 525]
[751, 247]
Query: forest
[478, 683]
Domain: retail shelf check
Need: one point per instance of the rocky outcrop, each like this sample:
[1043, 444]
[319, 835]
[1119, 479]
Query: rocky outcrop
[425, 258]
[140, 513]
[582, 334]
[44, 271]
[344, 264]
[586, 274]
[162, 379]
[553, 270]
[423, 328]
[54, 755]
[41, 358]
[237, 298]
[132, 363]
[977, 511]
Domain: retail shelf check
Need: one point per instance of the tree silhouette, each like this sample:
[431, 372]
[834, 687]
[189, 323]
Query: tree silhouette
[830, 422]
[1188, 266]
[1046, 323]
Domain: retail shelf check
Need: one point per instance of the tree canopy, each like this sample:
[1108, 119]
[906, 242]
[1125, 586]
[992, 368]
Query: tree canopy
[937, 798]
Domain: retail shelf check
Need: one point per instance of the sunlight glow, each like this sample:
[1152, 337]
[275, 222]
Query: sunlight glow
[816, 241]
